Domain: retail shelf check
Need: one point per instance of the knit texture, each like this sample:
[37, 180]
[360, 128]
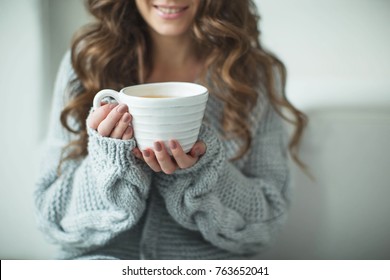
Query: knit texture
[112, 205]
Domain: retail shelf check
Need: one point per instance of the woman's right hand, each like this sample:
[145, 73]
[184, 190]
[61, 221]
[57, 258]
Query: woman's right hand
[112, 120]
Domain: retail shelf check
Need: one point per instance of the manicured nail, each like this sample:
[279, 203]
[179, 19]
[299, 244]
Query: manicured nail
[137, 154]
[197, 152]
[173, 144]
[146, 153]
[157, 146]
[112, 106]
[122, 108]
[126, 118]
[129, 130]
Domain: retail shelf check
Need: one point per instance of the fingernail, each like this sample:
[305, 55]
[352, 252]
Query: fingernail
[126, 118]
[129, 130]
[122, 108]
[157, 146]
[197, 152]
[146, 153]
[137, 154]
[173, 144]
[112, 106]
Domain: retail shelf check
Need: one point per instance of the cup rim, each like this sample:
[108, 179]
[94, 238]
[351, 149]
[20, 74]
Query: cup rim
[199, 90]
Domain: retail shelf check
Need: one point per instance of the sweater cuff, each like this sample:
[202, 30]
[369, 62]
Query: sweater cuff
[106, 151]
[124, 180]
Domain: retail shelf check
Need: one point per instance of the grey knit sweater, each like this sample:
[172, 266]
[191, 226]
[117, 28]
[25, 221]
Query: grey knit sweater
[110, 205]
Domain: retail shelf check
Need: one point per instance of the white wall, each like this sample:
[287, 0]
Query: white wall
[336, 51]
[22, 78]
[337, 57]
[338, 62]
[34, 35]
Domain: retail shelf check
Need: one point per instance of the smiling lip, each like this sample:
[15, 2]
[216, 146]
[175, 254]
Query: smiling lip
[170, 12]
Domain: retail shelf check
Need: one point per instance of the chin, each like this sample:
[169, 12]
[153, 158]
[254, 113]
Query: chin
[171, 32]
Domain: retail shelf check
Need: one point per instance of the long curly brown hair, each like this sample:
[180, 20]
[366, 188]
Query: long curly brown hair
[111, 53]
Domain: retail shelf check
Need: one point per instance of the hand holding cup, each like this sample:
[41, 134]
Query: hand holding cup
[112, 120]
[166, 119]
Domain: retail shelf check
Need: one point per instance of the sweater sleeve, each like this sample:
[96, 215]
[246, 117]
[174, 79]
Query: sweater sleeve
[236, 209]
[94, 198]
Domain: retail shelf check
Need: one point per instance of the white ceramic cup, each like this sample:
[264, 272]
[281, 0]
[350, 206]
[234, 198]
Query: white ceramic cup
[162, 111]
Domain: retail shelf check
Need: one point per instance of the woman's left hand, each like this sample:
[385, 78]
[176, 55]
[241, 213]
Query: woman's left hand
[159, 159]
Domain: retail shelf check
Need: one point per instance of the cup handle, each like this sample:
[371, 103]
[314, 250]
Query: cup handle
[102, 94]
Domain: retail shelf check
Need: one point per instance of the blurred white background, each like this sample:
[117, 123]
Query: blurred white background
[338, 59]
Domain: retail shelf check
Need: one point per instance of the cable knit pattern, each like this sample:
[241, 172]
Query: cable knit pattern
[94, 199]
[111, 205]
[233, 211]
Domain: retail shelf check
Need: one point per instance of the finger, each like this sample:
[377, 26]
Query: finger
[151, 160]
[163, 158]
[98, 115]
[199, 149]
[128, 134]
[121, 126]
[137, 153]
[106, 127]
[182, 159]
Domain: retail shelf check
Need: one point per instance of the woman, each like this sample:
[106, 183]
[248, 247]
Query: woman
[100, 197]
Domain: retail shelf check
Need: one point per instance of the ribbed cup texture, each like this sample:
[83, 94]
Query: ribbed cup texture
[168, 122]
